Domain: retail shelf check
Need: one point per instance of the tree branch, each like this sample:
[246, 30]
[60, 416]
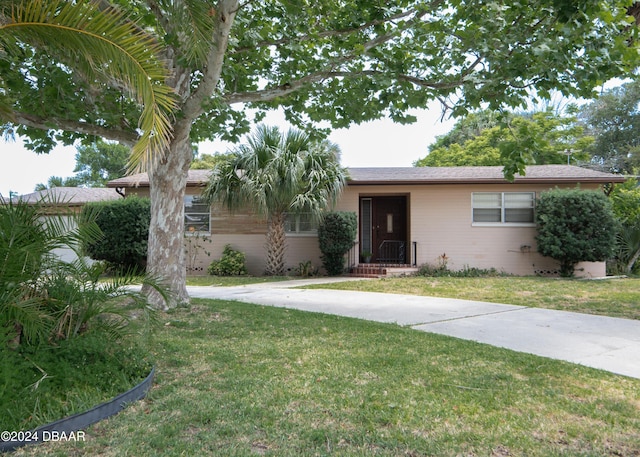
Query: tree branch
[225, 14]
[30, 120]
[269, 94]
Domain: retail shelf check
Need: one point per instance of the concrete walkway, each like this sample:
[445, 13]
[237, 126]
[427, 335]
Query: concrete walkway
[606, 343]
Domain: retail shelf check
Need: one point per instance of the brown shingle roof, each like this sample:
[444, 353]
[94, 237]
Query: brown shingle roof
[70, 196]
[476, 175]
[543, 174]
[194, 178]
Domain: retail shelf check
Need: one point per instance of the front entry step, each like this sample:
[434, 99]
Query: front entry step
[368, 271]
[375, 270]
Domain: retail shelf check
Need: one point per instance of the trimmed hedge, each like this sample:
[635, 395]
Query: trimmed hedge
[575, 226]
[125, 225]
[336, 234]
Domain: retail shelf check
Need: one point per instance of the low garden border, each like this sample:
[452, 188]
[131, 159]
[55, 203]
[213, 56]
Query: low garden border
[69, 426]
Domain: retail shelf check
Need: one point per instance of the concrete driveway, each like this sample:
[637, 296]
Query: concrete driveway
[606, 343]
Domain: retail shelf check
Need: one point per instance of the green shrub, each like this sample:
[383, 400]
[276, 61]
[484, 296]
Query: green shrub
[232, 263]
[336, 234]
[466, 272]
[44, 299]
[575, 226]
[125, 225]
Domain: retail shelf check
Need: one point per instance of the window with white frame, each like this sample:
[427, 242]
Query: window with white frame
[197, 214]
[503, 207]
[300, 223]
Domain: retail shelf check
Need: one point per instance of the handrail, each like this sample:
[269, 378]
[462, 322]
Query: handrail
[392, 251]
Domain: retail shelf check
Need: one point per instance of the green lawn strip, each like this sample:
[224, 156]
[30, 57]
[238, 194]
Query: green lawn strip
[613, 297]
[41, 385]
[243, 380]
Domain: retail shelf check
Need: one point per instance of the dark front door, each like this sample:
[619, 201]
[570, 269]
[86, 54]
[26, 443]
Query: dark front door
[384, 228]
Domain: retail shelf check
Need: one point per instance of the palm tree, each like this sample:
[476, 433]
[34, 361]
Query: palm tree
[101, 44]
[277, 174]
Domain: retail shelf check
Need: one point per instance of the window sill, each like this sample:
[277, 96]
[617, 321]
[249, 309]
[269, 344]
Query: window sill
[196, 233]
[503, 224]
[301, 234]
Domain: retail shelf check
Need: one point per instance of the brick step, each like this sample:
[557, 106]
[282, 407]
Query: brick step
[368, 270]
[371, 270]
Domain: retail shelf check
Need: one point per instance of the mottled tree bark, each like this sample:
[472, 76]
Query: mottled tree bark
[166, 256]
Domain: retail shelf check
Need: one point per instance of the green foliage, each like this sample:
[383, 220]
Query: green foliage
[485, 139]
[575, 226]
[209, 161]
[336, 235]
[44, 299]
[625, 199]
[441, 269]
[82, 38]
[26, 256]
[306, 269]
[232, 263]
[343, 62]
[276, 173]
[125, 225]
[99, 162]
[614, 120]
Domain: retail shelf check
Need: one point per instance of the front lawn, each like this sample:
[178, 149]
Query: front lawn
[610, 297]
[244, 380]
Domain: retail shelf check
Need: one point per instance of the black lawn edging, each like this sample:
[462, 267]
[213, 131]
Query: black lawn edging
[80, 421]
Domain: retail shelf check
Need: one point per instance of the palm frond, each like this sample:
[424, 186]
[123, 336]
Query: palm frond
[194, 20]
[105, 45]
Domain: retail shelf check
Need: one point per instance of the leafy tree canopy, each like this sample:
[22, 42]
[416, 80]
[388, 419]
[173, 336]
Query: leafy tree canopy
[100, 162]
[62, 55]
[491, 139]
[341, 61]
[209, 161]
[614, 120]
[97, 163]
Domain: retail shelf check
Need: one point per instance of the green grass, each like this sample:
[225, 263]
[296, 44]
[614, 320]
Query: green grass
[244, 380]
[39, 385]
[612, 297]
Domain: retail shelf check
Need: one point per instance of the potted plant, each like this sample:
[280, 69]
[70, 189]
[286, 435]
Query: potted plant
[366, 256]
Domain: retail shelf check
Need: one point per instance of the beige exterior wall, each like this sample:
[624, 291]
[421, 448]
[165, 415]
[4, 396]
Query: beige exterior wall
[440, 223]
[244, 232]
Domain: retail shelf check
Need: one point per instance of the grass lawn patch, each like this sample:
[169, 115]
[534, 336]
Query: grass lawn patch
[243, 380]
[611, 297]
[44, 384]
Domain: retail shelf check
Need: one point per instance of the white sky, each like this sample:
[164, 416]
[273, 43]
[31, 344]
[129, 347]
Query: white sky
[374, 144]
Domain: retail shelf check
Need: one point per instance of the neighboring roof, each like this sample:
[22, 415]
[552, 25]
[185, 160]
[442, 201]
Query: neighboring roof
[541, 174]
[194, 178]
[69, 196]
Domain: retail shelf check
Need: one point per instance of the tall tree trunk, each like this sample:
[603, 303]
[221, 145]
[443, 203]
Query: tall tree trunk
[166, 256]
[276, 245]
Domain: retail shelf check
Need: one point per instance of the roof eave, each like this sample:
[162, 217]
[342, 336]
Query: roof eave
[486, 181]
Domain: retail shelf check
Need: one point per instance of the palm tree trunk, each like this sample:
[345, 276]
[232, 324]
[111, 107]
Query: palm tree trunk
[276, 245]
[633, 260]
[166, 256]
